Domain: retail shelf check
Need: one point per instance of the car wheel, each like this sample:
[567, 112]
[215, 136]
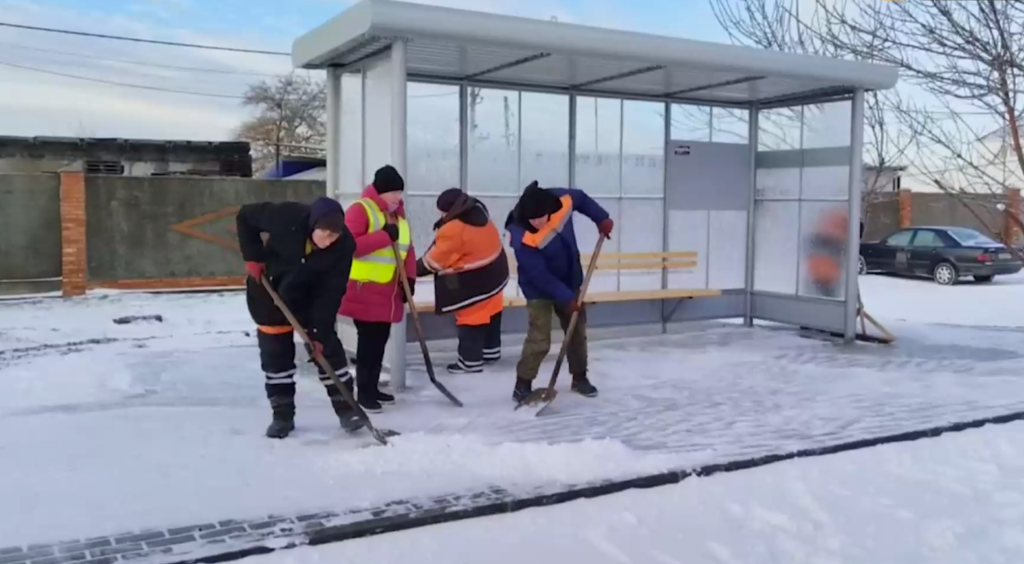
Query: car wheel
[984, 278]
[862, 265]
[945, 274]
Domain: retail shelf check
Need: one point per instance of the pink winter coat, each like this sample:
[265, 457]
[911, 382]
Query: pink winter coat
[368, 301]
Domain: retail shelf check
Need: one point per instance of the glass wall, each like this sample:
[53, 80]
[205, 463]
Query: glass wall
[802, 189]
[517, 137]
[707, 197]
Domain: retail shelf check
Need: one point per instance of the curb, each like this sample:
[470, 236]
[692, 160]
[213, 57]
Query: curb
[382, 525]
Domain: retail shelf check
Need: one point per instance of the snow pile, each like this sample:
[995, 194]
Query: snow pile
[447, 461]
[951, 500]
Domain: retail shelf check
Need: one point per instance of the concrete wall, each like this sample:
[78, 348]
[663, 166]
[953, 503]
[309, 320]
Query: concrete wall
[942, 209]
[153, 228]
[881, 215]
[30, 242]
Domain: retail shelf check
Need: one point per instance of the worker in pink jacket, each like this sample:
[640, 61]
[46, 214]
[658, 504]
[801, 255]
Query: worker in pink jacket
[375, 299]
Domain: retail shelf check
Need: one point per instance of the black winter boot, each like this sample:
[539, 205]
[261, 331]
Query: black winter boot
[368, 391]
[284, 417]
[582, 386]
[385, 398]
[522, 389]
[347, 416]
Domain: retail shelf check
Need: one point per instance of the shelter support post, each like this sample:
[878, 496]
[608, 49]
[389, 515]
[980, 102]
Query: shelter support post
[752, 125]
[398, 151]
[665, 217]
[853, 214]
[333, 132]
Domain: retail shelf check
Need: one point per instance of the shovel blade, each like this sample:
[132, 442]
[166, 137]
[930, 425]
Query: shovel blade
[542, 395]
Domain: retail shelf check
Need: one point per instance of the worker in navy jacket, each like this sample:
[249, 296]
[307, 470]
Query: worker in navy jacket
[550, 276]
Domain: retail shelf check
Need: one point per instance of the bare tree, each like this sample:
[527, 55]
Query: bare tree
[783, 25]
[967, 58]
[290, 118]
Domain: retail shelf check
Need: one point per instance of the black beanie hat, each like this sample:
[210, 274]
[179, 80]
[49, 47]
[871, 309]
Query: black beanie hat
[537, 202]
[326, 213]
[447, 200]
[387, 179]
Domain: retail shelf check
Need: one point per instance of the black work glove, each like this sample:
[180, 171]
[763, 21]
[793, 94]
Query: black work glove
[392, 230]
[421, 269]
[412, 292]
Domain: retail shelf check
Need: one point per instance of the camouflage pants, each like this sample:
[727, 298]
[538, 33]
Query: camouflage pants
[538, 339]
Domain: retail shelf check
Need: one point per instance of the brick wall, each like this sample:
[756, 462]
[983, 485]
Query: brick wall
[74, 252]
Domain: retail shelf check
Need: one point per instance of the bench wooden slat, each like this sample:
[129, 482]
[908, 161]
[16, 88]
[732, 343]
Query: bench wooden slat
[610, 297]
[631, 261]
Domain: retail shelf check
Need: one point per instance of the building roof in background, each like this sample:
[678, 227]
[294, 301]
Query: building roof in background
[8, 142]
[457, 45]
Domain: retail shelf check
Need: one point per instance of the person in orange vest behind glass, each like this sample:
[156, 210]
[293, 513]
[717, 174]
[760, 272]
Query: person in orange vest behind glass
[470, 272]
[826, 252]
[375, 298]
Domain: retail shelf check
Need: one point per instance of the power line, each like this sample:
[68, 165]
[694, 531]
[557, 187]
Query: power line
[122, 84]
[140, 40]
[162, 89]
[131, 62]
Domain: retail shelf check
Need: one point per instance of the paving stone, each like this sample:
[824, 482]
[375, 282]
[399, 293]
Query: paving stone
[11, 550]
[31, 553]
[171, 541]
[83, 546]
[269, 524]
[146, 554]
[190, 529]
[315, 516]
[61, 558]
[222, 532]
[140, 537]
[231, 523]
[115, 550]
[103, 560]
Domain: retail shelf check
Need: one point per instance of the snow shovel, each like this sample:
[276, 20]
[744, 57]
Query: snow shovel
[400, 267]
[380, 434]
[547, 395]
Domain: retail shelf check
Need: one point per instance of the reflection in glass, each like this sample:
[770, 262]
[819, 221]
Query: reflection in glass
[643, 148]
[432, 138]
[779, 129]
[827, 125]
[776, 251]
[544, 152]
[598, 145]
[691, 123]
[729, 125]
[493, 166]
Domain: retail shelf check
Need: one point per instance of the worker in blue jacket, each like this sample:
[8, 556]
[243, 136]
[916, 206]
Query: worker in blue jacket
[550, 275]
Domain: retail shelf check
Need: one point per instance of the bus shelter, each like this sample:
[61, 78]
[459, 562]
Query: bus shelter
[734, 174]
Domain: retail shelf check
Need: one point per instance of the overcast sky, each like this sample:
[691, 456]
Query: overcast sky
[37, 100]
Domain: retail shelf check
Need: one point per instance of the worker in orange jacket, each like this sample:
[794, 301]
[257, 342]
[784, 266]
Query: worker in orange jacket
[470, 269]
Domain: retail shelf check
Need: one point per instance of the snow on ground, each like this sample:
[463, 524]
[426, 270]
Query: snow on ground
[151, 424]
[919, 300]
[957, 499]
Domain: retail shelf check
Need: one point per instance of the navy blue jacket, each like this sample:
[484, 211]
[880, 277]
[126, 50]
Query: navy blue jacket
[549, 262]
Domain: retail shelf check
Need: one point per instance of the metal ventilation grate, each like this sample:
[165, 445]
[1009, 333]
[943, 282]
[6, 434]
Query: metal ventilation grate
[115, 168]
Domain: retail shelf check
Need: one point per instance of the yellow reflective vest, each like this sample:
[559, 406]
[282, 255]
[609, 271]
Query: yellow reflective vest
[379, 266]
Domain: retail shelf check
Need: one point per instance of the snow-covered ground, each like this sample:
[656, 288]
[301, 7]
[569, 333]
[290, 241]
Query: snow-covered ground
[115, 428]
[958, 499]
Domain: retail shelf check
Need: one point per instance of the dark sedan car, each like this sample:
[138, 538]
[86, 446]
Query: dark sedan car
[942, 253]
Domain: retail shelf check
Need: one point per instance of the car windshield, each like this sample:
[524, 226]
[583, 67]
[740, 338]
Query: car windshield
[970, 237]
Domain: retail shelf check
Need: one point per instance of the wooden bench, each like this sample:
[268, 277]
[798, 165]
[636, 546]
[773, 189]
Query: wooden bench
[653, 262]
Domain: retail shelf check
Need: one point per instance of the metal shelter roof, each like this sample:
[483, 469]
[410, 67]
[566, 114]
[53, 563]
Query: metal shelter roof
[460, 45]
